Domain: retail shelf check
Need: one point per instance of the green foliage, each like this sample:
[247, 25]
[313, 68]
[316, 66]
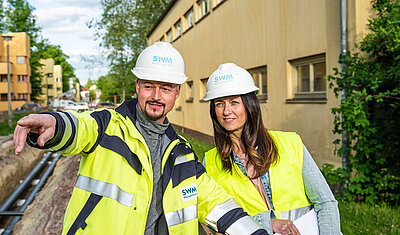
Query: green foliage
[370, 109]
[122, 32]
[199, 147]
[363, 218]
[4, 128]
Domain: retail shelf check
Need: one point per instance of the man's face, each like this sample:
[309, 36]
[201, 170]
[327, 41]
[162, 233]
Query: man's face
[156, 99]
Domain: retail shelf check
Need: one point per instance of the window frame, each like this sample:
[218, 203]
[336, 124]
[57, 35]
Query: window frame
[190, 12]
[178, 29]
[310, 95]
[18, 59]
[203, 89]
[189, 91]
[261, 95]
[201, 10]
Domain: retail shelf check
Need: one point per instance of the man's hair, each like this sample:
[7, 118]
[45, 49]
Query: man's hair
[258, 143]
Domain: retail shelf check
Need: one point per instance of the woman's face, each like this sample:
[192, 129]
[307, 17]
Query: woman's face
[231, 113]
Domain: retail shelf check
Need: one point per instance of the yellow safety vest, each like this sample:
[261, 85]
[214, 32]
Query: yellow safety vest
[286, 179]
[113, 191]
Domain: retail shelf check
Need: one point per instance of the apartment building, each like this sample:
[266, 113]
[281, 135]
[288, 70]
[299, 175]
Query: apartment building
[20, 70]
[51, 81]
[289, 47]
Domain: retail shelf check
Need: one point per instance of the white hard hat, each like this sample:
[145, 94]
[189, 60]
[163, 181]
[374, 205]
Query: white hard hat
[229, 79]
[160, 62]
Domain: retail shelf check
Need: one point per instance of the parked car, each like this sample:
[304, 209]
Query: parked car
[76, 106]
[107, 105]
[28, 108]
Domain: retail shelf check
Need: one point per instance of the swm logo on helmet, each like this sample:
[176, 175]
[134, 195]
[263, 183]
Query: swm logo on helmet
[160, 60]
[223, 78]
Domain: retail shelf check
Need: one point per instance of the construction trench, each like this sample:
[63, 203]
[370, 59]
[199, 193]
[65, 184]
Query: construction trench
[44, 215]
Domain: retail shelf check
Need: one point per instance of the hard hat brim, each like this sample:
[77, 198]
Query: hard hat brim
[217, 94]
[164, 76]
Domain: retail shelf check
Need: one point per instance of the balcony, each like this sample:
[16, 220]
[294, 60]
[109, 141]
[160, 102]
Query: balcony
[3, 67]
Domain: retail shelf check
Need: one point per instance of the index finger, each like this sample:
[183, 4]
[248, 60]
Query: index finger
[19, 137]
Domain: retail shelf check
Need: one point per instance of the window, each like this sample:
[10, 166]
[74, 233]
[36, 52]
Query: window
[203, 89]
[58, 79]
[189, 19]
[21, 78]
[162, 39]
[49, 86]
[309, 77]
[3, 78]
[169, 35]
[58, 88]
[189, 91]
[49, 75]
[178, 30]
[260, 80]
[3, 97]
[21, 59]
[204, 7]
[22, 96]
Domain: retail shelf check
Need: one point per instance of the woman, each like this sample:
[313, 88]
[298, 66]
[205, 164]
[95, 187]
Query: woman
[269, 173]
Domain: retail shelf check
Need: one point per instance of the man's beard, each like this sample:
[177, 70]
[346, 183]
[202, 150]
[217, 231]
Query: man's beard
[154, 118]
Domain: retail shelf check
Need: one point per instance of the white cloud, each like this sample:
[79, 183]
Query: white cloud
[64, 23]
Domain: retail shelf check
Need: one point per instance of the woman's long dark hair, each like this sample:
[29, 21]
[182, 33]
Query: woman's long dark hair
[258, 143]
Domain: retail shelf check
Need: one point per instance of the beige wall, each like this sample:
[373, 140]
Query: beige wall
[57, 80]
[272, 33]
[19, 46]
[48, 78]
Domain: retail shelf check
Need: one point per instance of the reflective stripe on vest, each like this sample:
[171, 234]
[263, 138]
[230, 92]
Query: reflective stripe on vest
[104, 189]
[181, 216]
[244, 225]
[220, 210]
[295, 213]
[180, 159]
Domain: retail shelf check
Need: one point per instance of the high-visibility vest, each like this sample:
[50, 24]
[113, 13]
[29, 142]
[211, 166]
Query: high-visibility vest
[114, 187]
[286, 181]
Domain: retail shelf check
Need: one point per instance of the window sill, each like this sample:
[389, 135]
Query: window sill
[177, 38]
[204, 16]
[203, 101]
[190, 100]
[262, 98]
[306, 101]
[187, 29]
[219, 4]
[178, 108]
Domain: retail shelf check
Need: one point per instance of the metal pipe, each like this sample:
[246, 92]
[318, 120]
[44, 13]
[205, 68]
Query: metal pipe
[31, 196]
[11, 213]
[343, 48]
[17, 192]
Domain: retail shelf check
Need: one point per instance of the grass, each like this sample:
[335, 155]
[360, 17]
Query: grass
[355, 218]
[361, 218]
[4, 128]
[199, 146]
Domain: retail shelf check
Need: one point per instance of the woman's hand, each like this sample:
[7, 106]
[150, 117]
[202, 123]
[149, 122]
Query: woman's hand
[284, 227]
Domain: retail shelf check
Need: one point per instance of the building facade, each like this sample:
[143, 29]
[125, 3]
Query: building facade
[289, 47]
[20, 70]
[51, 81]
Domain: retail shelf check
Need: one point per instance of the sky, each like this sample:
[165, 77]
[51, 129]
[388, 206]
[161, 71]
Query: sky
[64, 23]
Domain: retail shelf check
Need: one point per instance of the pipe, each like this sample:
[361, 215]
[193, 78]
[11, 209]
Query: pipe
[11, 213]
[343, 51]
[31, 196]
[17, 192]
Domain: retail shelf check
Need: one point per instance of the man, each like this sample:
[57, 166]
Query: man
[137, 176]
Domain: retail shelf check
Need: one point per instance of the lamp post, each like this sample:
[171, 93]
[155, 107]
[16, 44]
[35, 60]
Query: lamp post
[8, 39]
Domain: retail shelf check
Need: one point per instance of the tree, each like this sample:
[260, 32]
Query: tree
[122, 32]
[371, 109]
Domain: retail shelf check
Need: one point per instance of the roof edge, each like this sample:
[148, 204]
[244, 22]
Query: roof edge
[170, 5]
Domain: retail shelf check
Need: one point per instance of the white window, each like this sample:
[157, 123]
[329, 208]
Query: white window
[309, 77]
[203, 88]
[169, 34]
[178, 30]
[21, 59]
[189, 91]
[260, 78]
[204, 7]
[21, 78]
[189, 19]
